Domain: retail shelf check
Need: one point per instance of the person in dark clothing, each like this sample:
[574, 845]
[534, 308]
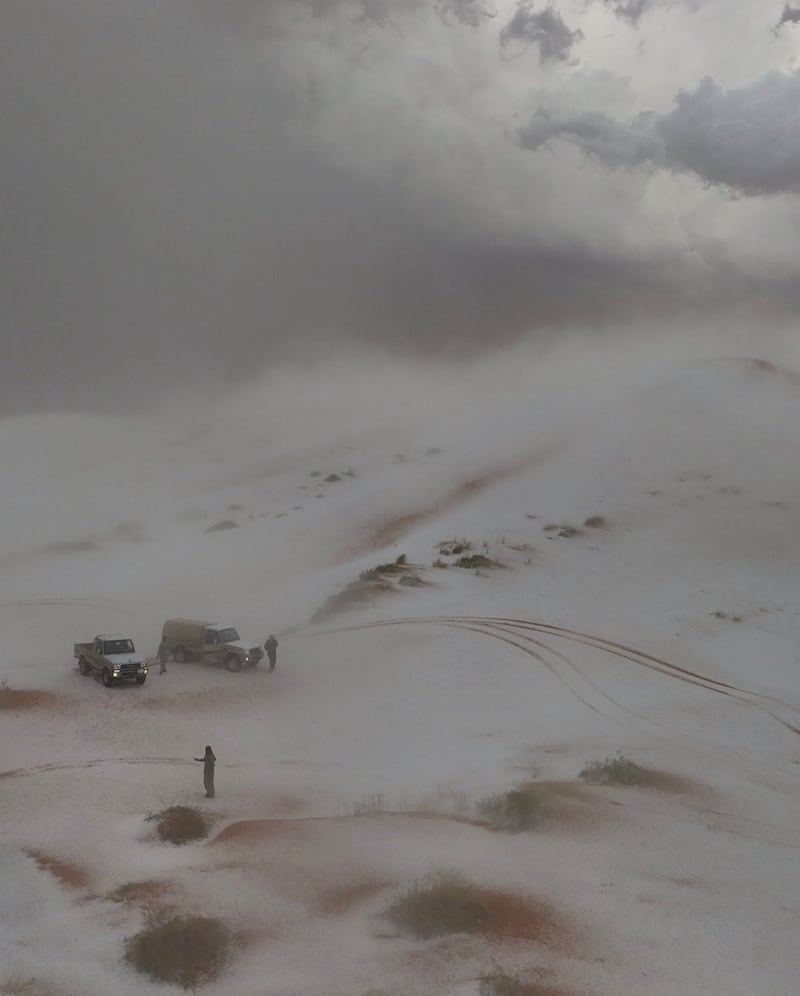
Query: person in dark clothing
[163, 653]
[271, 647]
[209, 760]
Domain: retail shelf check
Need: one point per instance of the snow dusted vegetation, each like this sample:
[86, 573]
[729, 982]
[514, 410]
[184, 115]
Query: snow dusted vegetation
[482, 580]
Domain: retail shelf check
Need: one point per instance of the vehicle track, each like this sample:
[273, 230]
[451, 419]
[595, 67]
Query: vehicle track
[620, 650]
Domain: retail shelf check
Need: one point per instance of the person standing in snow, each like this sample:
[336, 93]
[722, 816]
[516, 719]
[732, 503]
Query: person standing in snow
[271, 647]
[209, 760]
[163, 653]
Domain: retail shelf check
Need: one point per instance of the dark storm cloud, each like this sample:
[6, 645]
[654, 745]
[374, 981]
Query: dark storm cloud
[545, 29]
[747, 139]
[195, 191]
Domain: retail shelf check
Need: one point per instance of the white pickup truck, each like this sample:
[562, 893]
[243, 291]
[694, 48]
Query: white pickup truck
[114, 658]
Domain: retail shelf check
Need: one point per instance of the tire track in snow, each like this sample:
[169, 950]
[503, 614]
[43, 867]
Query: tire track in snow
[615, 649]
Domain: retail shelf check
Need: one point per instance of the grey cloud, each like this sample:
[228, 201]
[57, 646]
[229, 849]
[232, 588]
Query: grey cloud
[790, 15]
[746, 139]
[471, 13]
[545, 29]
[630, 10]
[611, 142]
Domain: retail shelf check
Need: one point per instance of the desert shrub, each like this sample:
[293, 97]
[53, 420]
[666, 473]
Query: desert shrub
[475, 561]
[374, 803]
[219, 527]
[186, 950]
[180, 824]
[374, 573]
[596, 522]
[617, 770]
[412, 581]
[443, 904]
[520, 809]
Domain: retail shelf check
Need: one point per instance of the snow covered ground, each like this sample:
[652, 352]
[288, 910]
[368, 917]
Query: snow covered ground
[666, 628]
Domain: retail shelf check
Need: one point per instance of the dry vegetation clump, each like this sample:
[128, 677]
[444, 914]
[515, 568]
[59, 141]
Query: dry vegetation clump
[219, 527]
[620, 770]
[444, 904]
[186, 950]
[371, 583]
[521, 808]
[181, 824]
[454, 548]
[528, 805]
[448, 903]
[475, 561]
[564, 529]
[596, 522]
[617, 770]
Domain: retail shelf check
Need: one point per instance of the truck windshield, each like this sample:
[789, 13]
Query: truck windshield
[228, 635]
[118, 647]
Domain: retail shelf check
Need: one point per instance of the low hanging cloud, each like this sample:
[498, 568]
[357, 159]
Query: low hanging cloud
[545, 29]
[747, 140]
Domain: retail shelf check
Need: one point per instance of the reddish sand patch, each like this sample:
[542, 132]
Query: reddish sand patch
[344, 898]
[72, 875]
[664, 781]
[514, 917]
[14, 699]
[384, 532]
[254, 830]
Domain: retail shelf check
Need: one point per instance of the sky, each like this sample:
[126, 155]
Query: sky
[194, 192]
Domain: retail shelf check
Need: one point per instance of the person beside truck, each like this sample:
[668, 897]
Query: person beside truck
[271, 647]
[163, 653]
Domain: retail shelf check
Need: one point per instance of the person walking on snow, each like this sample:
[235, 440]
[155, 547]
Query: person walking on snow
[271, 647]
[209, 760]
[163, 653]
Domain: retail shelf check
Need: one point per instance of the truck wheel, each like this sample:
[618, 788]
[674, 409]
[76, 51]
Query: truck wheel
[233, 662]
[108, 681]
[180, 655]
[141, 679]
[83, 666]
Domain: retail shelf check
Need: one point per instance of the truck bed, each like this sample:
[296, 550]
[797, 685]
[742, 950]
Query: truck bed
[82, 649]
